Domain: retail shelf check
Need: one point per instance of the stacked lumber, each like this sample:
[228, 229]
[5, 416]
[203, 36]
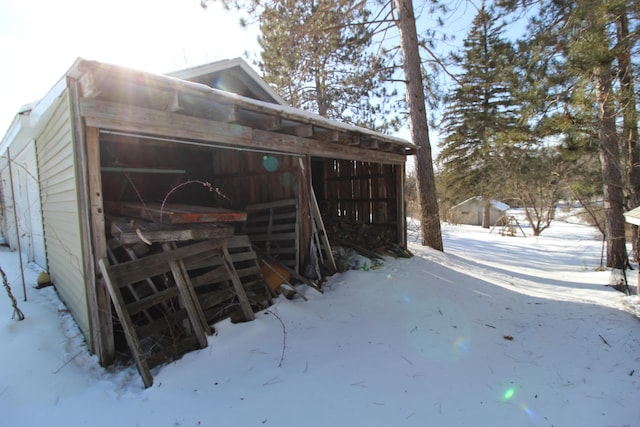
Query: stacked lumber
[169, 282]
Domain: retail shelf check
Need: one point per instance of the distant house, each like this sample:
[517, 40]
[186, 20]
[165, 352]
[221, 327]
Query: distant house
[633, 216]
[470, 211]
[106, 137]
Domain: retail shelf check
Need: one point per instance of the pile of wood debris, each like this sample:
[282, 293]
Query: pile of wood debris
[172, 272]
[369, 240]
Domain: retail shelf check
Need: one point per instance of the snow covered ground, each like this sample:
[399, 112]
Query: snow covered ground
[496, 331]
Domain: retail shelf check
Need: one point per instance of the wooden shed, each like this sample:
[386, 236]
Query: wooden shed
[214, 138]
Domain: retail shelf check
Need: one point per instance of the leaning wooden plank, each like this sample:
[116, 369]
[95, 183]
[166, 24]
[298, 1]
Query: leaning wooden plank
[189, 298]
[177, 213]
[127, 325]
[320, 230]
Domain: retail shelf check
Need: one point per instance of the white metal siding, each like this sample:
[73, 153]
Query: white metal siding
[25, 181]
[60, 212]
[9, 224]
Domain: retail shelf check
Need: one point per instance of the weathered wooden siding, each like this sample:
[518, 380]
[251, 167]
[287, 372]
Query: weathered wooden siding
[60, 212]
[248, 178]
[360, 192]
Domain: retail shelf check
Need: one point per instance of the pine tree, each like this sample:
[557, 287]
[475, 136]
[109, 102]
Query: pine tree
[589, 52]
[479, 113]
[583, 34]
[293, 32]
[319, 56]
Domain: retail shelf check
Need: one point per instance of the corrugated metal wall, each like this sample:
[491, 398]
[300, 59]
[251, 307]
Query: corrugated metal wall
[60, 211]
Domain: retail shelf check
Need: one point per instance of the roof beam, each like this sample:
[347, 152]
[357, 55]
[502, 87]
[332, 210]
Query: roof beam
[88, 85]
[128, 118]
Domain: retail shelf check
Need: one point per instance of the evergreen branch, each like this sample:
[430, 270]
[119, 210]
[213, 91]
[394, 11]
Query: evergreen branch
[439, 61]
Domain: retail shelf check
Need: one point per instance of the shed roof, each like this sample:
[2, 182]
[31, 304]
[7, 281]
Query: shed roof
[105, 88]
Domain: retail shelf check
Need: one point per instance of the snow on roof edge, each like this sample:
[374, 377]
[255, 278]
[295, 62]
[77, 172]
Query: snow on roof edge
[495, 203]
[75, 72]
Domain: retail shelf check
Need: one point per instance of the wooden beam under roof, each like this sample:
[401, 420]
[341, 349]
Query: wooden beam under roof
[111, 76]
[87, 85]
[128, 118]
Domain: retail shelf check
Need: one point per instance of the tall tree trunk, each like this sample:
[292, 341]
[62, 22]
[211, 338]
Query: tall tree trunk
[629, 115]
[610, 164]
[430, 216]
[486, 211]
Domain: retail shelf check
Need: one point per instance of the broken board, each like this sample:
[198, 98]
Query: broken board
[129, 232]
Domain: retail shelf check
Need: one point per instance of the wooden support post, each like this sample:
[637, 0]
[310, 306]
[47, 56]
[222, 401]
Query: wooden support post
[86, 143]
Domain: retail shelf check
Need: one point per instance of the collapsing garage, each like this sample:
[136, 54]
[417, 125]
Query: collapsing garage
[184, 192]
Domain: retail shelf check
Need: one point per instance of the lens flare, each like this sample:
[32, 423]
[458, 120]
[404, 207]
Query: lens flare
[269, 163]
[461, 345]
[526, 409]
[441, 328]
[509, 393]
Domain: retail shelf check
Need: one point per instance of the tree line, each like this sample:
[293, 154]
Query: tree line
[529, 118]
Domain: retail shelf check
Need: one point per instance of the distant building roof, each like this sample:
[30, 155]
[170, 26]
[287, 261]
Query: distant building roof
[495, 203]
[633, 216]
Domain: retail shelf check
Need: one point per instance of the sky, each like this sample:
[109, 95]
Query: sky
[495, 331]
[40, 40]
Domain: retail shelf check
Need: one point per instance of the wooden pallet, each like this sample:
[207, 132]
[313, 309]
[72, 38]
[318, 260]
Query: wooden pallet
[222, 284]
[273, 227]
[157, 302]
